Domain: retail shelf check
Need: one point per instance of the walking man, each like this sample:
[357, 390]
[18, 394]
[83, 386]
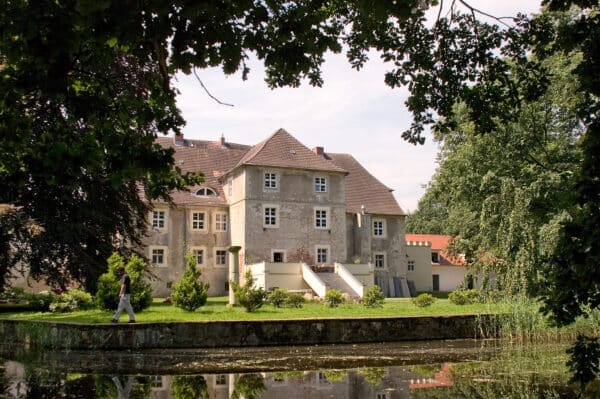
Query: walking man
[124, 297]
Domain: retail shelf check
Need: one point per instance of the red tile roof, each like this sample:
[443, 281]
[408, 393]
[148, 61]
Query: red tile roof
[285, 151]
[438, 243]
[279, 150]
[209, 157]
[362, 188]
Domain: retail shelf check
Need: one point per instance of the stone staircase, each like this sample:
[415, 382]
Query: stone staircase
[335, 282]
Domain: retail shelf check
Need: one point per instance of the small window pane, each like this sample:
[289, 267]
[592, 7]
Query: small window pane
[320, 184]
[198, 221]
[199, 256]
[221, 257]
[158, 219]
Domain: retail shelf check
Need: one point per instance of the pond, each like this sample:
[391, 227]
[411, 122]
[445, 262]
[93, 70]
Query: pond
[425, 369]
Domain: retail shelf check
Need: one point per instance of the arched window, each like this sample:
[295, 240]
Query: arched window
[206, 192]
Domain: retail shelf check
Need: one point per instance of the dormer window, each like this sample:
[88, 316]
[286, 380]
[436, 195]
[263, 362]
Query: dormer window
[206, 192]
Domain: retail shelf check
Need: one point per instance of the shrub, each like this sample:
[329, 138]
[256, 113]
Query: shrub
[278, 297]
[373, 298]
[249, 297]
[464, 297]
[13, 295]
[71, 301]
[423, 300]
[189, 293]
[109, 284]
[40, 301]
[295, 300]
[334, 298]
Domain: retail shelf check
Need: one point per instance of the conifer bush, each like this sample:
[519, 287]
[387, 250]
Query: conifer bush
[278, 297]
[189, 293]
[422, 300]
[334, 298]
[246, 295]
[109, 283]
[373, 298]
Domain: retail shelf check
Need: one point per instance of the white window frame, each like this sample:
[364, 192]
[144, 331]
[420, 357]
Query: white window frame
[273, 219]
[155, 219]
[327, 248]
[320, 184]
[381, 230]
[318, 219]
[437, 256]
[409, 264]
[379, 255]
[270, 180]
[226, 264]
[165, 255]
[204, 221]
[221, 220]
[193, 251]
[206, 192]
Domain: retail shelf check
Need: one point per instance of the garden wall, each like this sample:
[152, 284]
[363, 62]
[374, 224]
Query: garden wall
[243, 333]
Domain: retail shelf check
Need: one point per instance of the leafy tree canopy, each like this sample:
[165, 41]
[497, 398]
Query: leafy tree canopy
[85, 88]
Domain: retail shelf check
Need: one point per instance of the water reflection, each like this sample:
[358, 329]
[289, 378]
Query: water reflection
[379, 383]
[387, 371]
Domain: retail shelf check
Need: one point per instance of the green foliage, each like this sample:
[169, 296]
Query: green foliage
[189, 386]
[189, 293]
[107, 296]
[585, 360]
[280, 297]
[40, 301]
[373, 298]
[71, 301]
[249, 297]
[295, 300]
[248, 386]
[423, 300]
[334, 298]
[335, 375]
[373, 375]
[465, 297]
[13, 295]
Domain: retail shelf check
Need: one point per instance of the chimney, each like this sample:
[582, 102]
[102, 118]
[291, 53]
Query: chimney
[319, 151]
[222, 141]
[179, 139]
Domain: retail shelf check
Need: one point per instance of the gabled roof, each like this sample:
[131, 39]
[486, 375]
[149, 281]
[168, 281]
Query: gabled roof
[362, 188]
[211, 158]
[217, 158]
[439, 243]
[282, 150]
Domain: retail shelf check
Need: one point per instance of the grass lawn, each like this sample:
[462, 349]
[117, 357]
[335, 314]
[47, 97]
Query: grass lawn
[216, 309]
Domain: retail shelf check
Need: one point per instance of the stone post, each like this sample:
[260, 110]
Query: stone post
[234, 271]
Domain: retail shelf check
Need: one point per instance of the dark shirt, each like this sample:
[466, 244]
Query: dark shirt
[127, 281]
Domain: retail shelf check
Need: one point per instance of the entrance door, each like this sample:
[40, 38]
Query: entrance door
[278, 257]
[436, 282]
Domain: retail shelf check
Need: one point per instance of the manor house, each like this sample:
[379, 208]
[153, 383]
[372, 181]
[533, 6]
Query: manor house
[283, 204]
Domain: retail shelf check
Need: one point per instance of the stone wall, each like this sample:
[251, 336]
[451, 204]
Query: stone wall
[242, 333]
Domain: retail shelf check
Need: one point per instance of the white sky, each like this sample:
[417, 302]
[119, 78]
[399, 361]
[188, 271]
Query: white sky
[354, 112]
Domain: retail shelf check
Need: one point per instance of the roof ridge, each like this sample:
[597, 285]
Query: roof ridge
[360, 164]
